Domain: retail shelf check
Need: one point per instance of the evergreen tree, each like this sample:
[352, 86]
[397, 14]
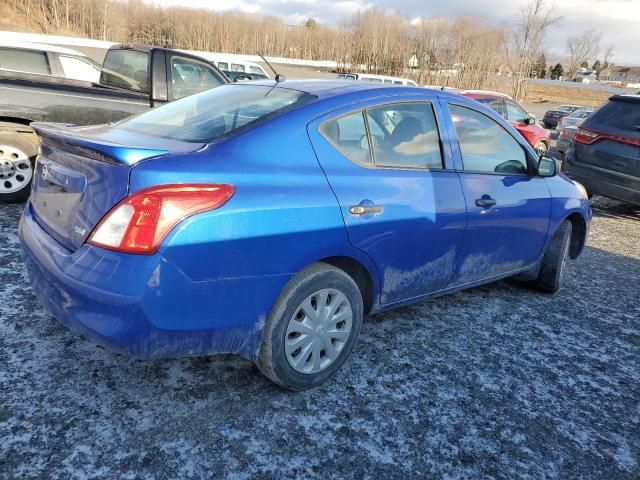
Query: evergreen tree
[556, 72]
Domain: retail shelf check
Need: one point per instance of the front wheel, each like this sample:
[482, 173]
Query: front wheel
[17, 157]
[312, 328]
[541, 148]
[555, 260]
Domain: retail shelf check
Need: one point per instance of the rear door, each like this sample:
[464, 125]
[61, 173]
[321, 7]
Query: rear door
[610, 141]
[508, 206]
[401, 201]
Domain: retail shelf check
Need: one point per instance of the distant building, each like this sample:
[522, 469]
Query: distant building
[626, 76]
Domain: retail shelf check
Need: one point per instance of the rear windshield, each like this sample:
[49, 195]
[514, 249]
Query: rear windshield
[617, 114]
[126, 69]
[216, 113]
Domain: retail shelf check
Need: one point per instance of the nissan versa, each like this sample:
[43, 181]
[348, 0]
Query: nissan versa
[267, 219]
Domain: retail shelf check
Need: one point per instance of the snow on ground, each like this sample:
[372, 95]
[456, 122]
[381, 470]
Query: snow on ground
[496, 382]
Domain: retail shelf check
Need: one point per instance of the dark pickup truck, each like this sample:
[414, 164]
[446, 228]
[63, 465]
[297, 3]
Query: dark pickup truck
[134, 78]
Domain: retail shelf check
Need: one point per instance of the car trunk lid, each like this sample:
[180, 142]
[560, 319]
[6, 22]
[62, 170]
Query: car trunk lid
[81, 173]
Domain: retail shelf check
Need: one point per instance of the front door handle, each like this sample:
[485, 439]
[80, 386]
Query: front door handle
[364, 209]
[485, 201]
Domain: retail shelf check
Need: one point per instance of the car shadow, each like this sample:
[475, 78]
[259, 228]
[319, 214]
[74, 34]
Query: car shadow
[614, 209]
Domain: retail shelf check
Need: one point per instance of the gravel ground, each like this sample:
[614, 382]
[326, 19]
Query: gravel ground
[496, 382]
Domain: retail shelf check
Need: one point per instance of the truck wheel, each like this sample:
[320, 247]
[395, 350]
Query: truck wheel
[312, 328]
[17, 158]
[555, 258]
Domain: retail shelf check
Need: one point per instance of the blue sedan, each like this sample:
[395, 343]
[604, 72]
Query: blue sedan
[268, 219]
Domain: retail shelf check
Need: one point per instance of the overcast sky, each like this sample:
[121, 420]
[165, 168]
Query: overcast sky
[617, 20]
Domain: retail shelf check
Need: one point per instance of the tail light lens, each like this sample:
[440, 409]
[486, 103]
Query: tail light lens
[585, 136]
[140, 222]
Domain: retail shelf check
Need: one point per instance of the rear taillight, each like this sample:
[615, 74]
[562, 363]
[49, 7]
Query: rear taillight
[140, 222]
[585, 136]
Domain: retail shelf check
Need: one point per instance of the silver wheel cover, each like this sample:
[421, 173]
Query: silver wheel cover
[318, 331]
[15, 169]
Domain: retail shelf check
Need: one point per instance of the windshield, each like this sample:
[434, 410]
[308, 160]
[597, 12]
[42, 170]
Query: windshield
[215, 113]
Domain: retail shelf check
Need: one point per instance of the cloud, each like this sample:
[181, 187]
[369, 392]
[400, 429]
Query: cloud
[617, 20]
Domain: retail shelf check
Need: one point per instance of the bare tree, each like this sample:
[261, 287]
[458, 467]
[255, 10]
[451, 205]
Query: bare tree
[581, 48]
[536, 16]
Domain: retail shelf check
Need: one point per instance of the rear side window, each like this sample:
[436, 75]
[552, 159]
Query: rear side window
[216, 113]
[79, 69]
[349, 135]
[486, 147]
[24, 61]
[618, 114]
[127, 69]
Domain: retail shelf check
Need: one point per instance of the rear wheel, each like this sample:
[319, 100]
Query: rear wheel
[312, 328]
[555, 260]
[17, 157]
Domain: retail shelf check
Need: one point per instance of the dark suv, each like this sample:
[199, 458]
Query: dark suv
[605, 154]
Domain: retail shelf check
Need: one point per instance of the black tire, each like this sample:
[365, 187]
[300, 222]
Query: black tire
[272, 359]
[555, 258]
[18, 142]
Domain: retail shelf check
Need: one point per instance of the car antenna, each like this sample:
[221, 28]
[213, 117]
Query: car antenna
[279, 78]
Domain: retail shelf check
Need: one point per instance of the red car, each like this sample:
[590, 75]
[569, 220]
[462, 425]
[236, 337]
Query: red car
[517, 116]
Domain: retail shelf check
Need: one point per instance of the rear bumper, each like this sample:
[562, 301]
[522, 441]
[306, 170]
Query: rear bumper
[598, 181]
[142, 305]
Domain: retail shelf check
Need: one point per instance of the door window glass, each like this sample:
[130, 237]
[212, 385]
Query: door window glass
[190, 76]
[349, 135]
[125, 68]
[405, 135]
[223, 65]
[24, 61]
[79, 69]
[515, 113]
[236, 67]
[486, 147]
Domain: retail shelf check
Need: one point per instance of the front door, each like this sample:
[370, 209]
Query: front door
[508, 205]
[400, 204]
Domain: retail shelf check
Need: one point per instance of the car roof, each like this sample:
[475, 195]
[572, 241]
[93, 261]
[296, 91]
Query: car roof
[42, 47]
[324, 89]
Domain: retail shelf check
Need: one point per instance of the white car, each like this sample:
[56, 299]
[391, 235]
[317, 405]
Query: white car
[41, 59]
[367, 77]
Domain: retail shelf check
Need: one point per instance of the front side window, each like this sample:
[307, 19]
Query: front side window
[216, 113]
[236, 67]
[485, 146]
[408, 135]
[24, 61]
[254, 69]
[191, 76]
[223, 65]
[349, 135]
[515, 113]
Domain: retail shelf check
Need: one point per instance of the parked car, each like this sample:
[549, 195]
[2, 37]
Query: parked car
[564, 139]
[243, 77]
[194, 229]
[524, 122]
[367, 77]
[41, 59]
[605, 153]
[551, 117]
[133, 79]
[576, 118]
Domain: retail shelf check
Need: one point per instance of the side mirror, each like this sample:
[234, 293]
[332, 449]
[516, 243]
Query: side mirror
[547, 166]
[530, 120]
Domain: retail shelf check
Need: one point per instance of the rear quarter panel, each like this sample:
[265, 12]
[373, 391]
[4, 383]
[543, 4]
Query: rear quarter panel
[282, 218]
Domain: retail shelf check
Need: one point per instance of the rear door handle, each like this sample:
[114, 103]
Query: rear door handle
[486, 201]
[364, 209]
